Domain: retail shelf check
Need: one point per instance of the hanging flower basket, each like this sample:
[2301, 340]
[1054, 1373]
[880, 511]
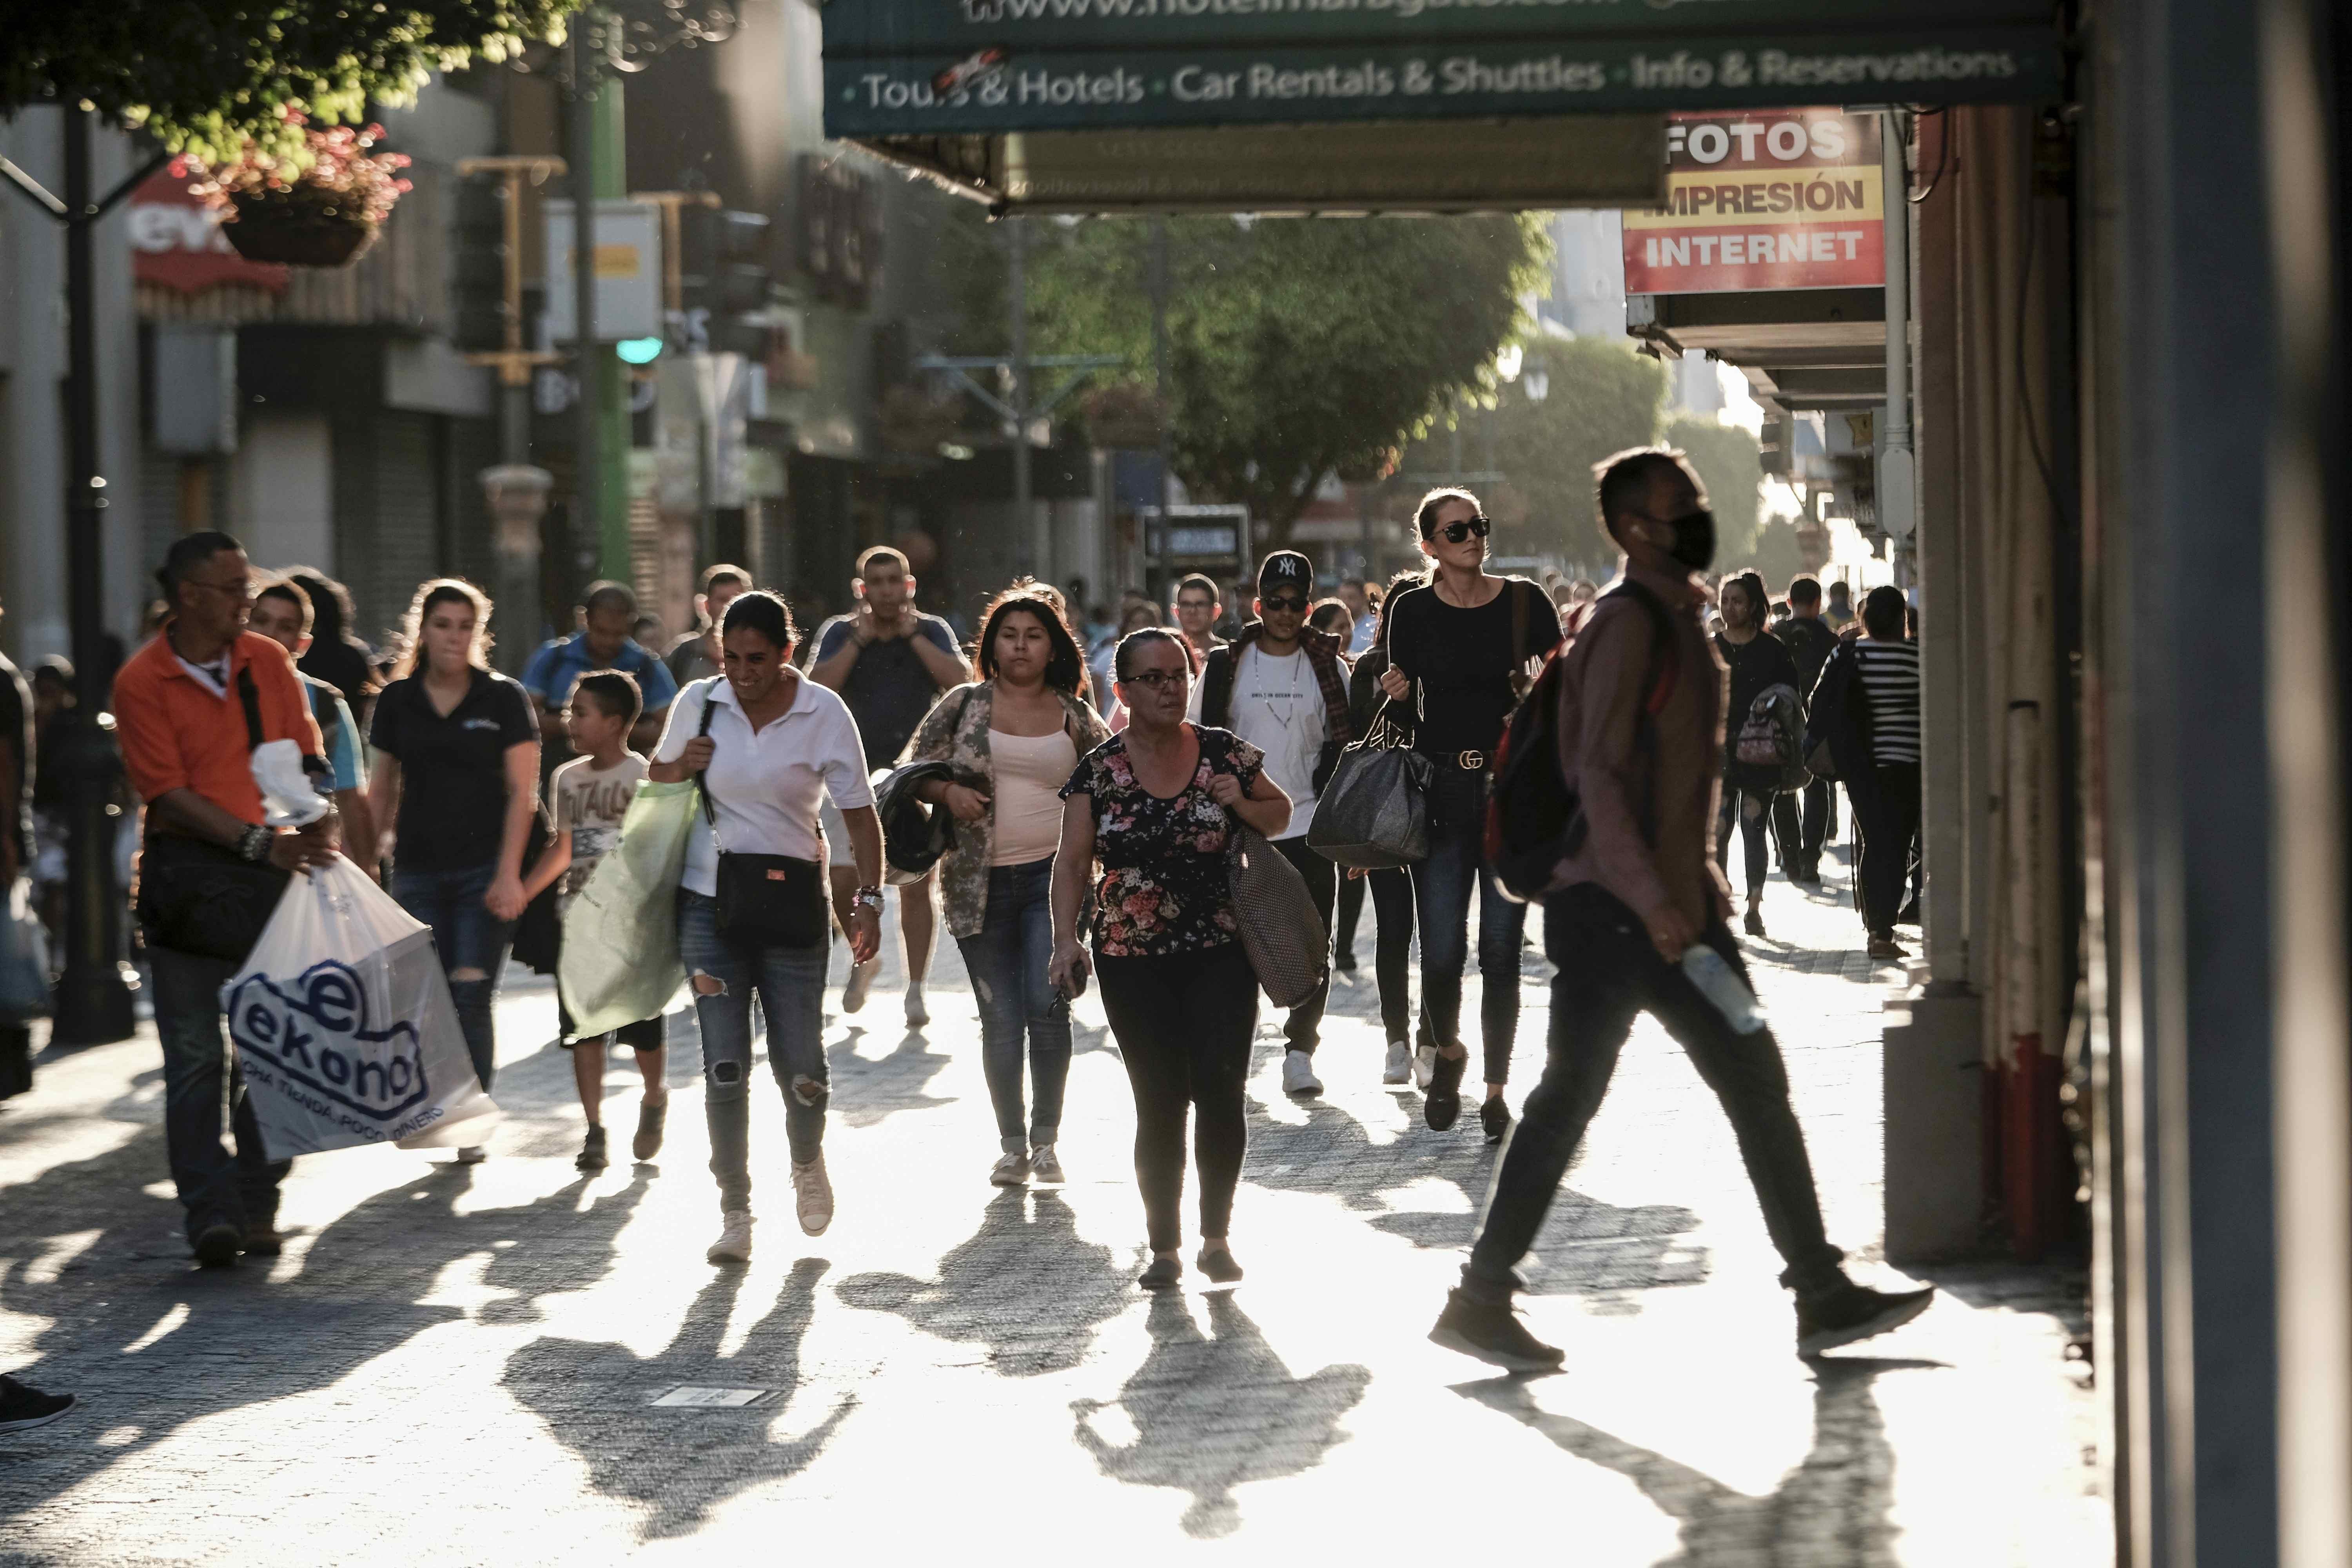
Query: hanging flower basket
[318, 206]
[279, 226]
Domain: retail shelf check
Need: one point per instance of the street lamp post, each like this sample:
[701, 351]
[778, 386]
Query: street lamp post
[93, 998]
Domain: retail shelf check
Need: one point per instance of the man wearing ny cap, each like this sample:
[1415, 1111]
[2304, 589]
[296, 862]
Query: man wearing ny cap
[1280, 686]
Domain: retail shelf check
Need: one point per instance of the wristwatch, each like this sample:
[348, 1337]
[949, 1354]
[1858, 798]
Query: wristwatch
[867, 899]
[254, 845]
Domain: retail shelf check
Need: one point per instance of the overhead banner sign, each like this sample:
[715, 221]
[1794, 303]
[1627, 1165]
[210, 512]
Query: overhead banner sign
[1779, 199]
[915, 68]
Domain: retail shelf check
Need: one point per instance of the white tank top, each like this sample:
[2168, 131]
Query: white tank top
[1030, 771]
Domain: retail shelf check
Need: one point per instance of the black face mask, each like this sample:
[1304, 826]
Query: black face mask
[1693, 544]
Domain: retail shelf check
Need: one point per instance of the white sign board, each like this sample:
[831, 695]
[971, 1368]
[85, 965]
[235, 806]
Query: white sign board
[629, 271]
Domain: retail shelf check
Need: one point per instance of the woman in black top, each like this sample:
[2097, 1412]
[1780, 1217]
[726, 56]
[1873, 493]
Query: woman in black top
[1460, 648]
[456, 780]
[1156, 804]
[1759, 662]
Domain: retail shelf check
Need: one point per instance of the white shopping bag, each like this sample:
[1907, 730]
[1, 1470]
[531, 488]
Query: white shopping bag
[344, 1024]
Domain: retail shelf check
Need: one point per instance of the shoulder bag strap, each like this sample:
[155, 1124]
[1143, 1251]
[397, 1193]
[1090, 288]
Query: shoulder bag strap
[703, 779]
[250, 699]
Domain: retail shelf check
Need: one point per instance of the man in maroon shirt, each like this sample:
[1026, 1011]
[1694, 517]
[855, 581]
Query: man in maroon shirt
[1638, 922]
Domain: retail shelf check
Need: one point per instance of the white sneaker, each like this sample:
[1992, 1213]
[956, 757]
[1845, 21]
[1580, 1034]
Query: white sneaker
[472, 1155]
[1044, 1165]
[1424, 1066]
[916, 1014]
[1299, 1075]
[1400, 1068]
[861, 981]
[1010, 1170]
[813, 1195]
[734, 1243]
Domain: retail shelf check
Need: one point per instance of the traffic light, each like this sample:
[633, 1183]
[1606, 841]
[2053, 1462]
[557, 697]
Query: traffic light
[477, 275]
[722, 261]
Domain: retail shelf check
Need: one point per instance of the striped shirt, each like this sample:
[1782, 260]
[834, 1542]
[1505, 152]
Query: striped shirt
[1889, 672]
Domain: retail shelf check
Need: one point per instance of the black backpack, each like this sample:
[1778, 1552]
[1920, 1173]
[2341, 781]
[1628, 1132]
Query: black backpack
[1533, 818]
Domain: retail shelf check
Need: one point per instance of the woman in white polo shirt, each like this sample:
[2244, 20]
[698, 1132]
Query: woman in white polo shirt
[767, 745]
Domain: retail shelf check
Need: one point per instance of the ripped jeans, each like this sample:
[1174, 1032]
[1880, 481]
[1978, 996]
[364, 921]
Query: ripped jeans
[790, 984]
[470, 939]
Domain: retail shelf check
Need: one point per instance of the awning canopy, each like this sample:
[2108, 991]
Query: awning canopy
[969, 89]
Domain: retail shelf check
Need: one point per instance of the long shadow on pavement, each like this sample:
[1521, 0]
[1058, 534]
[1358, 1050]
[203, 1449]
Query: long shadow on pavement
[1833, 1508]
[151, 1343]
[1600, 1251]
[866, 1092]
[1213, 1413]
[1025, 1285]
[678, 1465]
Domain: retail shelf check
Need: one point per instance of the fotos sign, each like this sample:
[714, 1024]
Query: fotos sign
[1788, 198]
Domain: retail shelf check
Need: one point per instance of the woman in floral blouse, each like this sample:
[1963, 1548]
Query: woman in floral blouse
[1015, 733]
[1156, 804]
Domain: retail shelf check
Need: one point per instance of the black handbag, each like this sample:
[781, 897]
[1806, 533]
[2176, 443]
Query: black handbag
[1374, 814]
[205, 899]
[765, 900]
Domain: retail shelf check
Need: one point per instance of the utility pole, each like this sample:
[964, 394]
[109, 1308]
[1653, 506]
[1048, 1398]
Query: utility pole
[672, 203]
[600, 423]
[588, 521]
[1160, 368]
[515, 490]
[93, 1000]
[1024, 549]
[513, 362]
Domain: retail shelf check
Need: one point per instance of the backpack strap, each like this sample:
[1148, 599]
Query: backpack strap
[1667, 668]
[1217, 687]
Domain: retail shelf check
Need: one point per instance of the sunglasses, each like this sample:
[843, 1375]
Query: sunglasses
[1154, 679]
[1293, 602]
[1455, 532]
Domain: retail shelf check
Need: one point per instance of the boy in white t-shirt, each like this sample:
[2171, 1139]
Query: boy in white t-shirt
[590, 795]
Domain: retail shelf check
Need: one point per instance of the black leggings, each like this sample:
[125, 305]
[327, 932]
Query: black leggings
[1183, 1021]
[1393, 946]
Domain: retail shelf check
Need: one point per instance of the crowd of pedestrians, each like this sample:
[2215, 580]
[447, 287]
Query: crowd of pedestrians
[1087, 783]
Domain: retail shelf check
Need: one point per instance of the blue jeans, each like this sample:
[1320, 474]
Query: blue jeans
[790, 984]
[468, 937]
[199, 1071]
[1007, 961]
[1442, 886]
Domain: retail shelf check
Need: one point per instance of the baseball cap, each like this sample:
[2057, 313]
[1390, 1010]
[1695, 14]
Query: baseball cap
[1287, 568]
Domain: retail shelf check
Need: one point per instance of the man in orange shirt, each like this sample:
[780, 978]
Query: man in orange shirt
[179, 715]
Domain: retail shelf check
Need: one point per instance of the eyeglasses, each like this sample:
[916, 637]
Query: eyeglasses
[1292, 602]
[1152, 680]
[240, 589]
[1455, 532]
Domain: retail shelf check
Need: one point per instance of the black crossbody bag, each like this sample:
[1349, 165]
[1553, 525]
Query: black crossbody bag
[205, 899]
[764, 901]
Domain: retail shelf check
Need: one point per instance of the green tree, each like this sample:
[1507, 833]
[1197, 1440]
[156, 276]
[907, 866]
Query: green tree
[1775, 556]
[1297, 348]
[206, 75]
[1726, 458]
[1599, 398]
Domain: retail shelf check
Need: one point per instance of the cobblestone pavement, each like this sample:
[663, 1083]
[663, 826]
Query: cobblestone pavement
[459, 1365]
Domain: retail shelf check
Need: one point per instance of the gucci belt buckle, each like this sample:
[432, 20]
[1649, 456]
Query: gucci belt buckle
[1470, 761]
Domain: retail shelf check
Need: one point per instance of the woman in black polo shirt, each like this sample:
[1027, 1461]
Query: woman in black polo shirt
[1455, 646]
[456, 776]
